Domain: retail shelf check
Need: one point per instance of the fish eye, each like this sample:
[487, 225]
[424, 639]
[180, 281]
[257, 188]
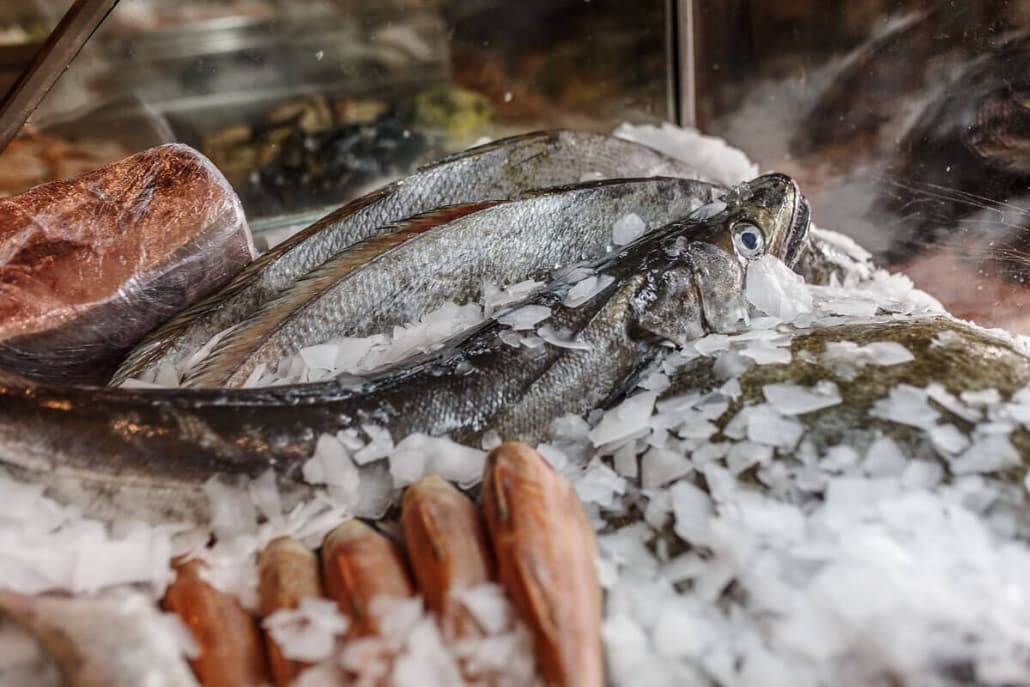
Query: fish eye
[748, 240]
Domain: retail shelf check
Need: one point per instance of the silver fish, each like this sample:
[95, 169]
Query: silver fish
[398, 277]
[146, 453]
[102, 641]
[495, 171]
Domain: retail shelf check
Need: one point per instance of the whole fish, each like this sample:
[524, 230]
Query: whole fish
[146, 453]
[495, 171]
[447, 254]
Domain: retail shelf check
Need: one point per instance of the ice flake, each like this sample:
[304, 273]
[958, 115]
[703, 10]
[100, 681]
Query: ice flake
[692, 510]
[656, 381]
[586, 289]
[554, 456]
[922, 474]
[599, 484]
[320, 356]
[380, 445]
[731, 365]
[629, 418]
[707, 211]
[562, 338]
[948, 339]
[884, 459]
[731, 389]
[982, 398]
[766, 426]
[488, 605]
[764, 353]
[494, 297]
[849, 307]
[839, 459]
[937, 393]
[525, 318]
[532, 341]
[948, 439]
[792, 399]
[232, 510]
[510, 337]
[744, 455]
[491, 440]
[711, 344]
[419, 454]
[627, 229]
[625, 461]
[986, 454]
[847, 357]
[308, 632]
[264, 493]
[658, 467]
[777, 290]
[906, 405]
[331, 464]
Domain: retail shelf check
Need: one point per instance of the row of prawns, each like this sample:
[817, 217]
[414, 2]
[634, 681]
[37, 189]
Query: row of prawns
[535, 540]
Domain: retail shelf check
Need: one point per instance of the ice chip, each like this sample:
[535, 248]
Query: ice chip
[525, 318]
[776, 290]
[627, 229]
[792, 399]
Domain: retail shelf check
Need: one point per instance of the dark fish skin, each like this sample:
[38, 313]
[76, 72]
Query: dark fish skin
[396, 278]
[146, 453]
[496, 171]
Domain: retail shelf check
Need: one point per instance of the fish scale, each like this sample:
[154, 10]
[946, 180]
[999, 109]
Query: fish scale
[495, 171]
[446, 255]
[122, 453]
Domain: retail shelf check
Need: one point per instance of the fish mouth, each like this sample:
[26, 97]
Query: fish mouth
[790, 212]
[797, 232]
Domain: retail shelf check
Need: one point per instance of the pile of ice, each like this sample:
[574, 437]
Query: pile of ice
[411, 648]
[756, 559]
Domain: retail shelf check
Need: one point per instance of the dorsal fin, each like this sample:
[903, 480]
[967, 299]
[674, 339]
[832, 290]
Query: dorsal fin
[233, 352]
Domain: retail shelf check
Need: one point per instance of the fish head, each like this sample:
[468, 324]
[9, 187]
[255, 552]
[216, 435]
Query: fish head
[765, 216]
[694, 280]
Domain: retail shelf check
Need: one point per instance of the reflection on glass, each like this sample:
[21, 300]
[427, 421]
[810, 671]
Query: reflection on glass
[305, 105]
[907, 123]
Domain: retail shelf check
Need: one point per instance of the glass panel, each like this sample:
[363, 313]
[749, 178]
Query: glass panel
[906, 123]
[305, 104]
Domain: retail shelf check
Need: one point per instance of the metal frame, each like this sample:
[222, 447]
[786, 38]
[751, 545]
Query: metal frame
[52, 59]
[682, 86]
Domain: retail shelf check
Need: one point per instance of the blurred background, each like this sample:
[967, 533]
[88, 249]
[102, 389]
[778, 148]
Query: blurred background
[906, 122]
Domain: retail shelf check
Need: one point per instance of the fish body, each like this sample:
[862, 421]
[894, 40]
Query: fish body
[396, 278]
[147, 452]
[495, 171]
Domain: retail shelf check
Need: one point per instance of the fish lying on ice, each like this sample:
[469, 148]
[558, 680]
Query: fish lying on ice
[89, 265]
[397, 277]
[148, 452]
[495, 171]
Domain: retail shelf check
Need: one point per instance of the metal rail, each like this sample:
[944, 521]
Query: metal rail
[61, 47]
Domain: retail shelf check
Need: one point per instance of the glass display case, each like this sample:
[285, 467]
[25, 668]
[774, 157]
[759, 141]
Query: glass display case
[304, 105]
[740, 389]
